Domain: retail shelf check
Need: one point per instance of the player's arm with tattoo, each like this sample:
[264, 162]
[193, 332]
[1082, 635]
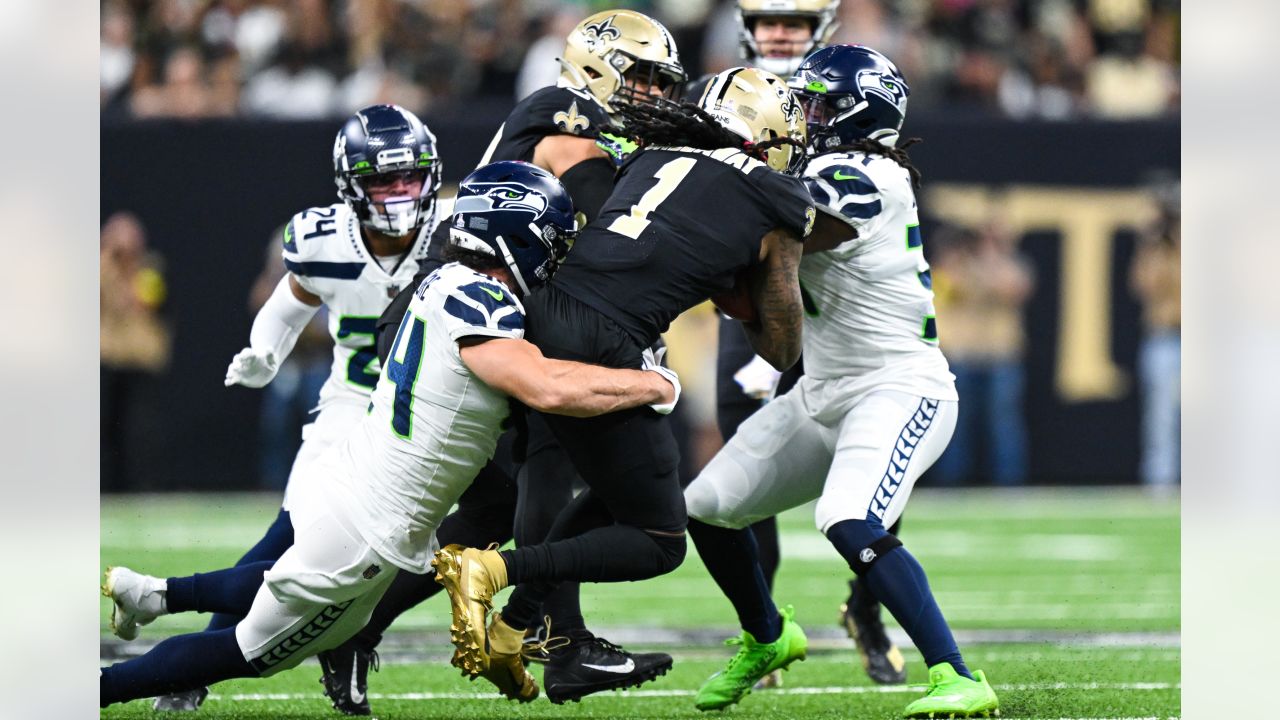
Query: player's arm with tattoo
[519, 369]
[774, 285]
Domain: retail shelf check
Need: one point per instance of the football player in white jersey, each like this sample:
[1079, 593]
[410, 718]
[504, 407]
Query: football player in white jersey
[877, 404]
[369, 507]
[777, 35]
[352, 257]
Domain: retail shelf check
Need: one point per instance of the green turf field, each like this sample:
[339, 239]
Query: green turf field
[1068, 599]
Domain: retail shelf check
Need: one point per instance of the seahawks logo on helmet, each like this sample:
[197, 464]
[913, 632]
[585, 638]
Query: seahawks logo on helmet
[501, 196]
[601, 32]
[871, 82]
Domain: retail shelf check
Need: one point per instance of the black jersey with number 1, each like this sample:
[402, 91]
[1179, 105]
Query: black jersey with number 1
[679, 226]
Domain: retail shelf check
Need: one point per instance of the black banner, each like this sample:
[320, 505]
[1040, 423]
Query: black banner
[210, 194]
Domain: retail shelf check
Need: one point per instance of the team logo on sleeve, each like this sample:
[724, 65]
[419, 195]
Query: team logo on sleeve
[501, 196]
[810, 217]
[570, 121]
[877, 83]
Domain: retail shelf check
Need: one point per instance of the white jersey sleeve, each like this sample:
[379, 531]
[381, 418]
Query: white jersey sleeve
[480, 306]
[869, 301]
[841, 186]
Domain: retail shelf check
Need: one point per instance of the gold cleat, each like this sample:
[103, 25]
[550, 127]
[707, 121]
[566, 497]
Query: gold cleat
[506, 667]
[471, 577]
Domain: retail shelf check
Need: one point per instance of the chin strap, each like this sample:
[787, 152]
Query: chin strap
[512, 266]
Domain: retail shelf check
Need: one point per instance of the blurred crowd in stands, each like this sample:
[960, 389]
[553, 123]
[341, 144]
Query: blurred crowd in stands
[299, 59]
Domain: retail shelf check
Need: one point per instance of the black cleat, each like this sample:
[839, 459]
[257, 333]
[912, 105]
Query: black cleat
[860, 617]
[594, 665]
[346, 677]
[188, 701]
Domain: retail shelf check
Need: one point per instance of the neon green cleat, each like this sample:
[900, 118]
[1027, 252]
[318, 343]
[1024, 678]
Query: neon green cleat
[752, 662]
[952, 695]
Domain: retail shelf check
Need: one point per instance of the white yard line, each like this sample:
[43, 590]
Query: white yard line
[834, 690]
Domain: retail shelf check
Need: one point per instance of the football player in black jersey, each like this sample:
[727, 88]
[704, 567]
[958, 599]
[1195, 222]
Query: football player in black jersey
[610, 58]
[705, 200]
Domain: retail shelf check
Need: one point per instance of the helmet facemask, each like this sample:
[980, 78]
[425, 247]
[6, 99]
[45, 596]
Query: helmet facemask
[820, 15]
[668, 79]
[398, 214]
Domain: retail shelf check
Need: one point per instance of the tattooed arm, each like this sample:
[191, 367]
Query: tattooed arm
[775, 292]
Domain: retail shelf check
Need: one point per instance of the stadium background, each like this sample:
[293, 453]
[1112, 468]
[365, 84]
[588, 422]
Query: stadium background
[1056, 119]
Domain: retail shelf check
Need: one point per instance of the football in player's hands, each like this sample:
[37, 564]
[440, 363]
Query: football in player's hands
[737, 302]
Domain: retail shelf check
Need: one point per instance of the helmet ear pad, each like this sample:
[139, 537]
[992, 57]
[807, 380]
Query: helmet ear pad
[821, 15]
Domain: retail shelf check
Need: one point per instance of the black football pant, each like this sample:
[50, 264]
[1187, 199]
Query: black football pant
[629, 524]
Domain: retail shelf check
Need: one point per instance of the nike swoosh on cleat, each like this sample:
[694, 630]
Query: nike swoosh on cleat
[948, 698]
[357, 697]
[622, 669]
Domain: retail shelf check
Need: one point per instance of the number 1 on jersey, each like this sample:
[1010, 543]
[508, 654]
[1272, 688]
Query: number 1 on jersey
[402, 369]
[669, 176]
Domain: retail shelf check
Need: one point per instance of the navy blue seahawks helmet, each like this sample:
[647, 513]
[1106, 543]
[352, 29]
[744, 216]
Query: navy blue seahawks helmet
[520, 214]
[376, 145]
[850, 92]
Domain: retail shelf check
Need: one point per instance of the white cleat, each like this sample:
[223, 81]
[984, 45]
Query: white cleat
[138, 599]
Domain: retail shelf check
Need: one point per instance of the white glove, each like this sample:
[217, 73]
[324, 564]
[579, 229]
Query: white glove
[652, 361]
[252, 368]
[757, 379]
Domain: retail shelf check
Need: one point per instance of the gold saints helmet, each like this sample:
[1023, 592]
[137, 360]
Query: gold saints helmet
[820, 14]
[757, 106]
[611, 47]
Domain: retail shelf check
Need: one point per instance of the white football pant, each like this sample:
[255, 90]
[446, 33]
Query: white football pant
[859, 455]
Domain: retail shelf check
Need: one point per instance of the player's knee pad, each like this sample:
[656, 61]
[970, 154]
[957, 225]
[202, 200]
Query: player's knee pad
[862, 561]
[703, 501]
[861, 543]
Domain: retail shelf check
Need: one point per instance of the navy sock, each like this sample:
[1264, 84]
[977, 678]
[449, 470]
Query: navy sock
[180, 663]
[733, 561]
[898, 581]
[278, 538]
[222, 591]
